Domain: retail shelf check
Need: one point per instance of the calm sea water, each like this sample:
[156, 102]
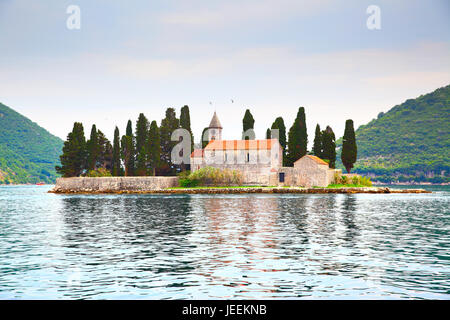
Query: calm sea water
[364, 246]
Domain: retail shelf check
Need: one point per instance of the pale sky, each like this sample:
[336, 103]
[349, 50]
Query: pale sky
[271, 56]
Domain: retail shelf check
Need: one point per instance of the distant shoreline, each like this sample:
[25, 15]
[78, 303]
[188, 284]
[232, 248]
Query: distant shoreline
[375, 183]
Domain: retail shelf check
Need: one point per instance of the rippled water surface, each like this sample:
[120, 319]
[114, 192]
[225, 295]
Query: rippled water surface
[223, 246]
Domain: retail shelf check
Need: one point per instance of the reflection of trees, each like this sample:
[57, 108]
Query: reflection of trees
[238, 233]
[322, 220]
[244, 221]
[294, 210]
[109, 230]
[348, 218]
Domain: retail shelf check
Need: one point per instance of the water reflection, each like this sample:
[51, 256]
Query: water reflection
[223, 246]
[349, 210]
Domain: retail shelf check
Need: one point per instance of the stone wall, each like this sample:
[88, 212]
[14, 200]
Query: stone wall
[307, 175]
[113, 184]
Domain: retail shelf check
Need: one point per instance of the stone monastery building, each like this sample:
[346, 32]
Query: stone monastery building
[260, 161]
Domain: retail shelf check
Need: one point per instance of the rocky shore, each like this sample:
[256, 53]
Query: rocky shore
[261, 190]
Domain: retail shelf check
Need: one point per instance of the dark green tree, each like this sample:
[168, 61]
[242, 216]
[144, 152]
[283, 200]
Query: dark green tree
[154, 154]
[268, 134]
[93, 150]
[141, 145]
[142, 127]
[204, 139]
[279, 124]
[317, 146]
[132, 149]
[298, 138]
[248, 124]
[116, 163]
[105, 159]
[73, 158]
[329, 146]
[168, 125]
[185, 123]
[127, 154]
[349, 148]
[129, 130]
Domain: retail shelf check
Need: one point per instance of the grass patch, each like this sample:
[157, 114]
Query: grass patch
[338, 186]
[219, 187]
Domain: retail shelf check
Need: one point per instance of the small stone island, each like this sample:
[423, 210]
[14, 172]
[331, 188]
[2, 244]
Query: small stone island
[244, 166]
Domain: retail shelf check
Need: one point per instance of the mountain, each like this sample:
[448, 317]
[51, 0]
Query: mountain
[28, 153]
[410, 142]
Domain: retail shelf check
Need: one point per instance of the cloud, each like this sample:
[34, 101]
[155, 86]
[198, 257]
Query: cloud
[367, 64]
[229, 13]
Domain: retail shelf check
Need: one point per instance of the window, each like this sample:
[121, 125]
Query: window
[281, 176]
[248, 157]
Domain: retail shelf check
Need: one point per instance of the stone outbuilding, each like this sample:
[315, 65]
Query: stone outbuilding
[308, 171]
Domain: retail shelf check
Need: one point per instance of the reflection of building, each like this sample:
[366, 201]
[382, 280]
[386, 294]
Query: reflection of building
[260, 161]
[242, 223]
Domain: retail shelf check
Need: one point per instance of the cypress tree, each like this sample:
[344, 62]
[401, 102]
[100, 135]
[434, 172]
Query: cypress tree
[93, 150]
[141, 162]
[116, 165]
[268, 134]
[129, 130]
[349, 148]
[126, 152]
[132, 150]
[154, 154]
[168, 125]
[204, 142]
[142, 125]
[329, 146]
[298, 138]
[141, 145]
[279, 124]
[73, 158]
[248, 123]
[185, 123]
[105, 159]
[317, 147]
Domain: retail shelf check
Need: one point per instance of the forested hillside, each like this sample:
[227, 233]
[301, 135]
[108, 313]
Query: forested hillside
[410, 142]
[28, 153]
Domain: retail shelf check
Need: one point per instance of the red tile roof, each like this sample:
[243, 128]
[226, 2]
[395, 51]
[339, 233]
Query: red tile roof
[240, 144]
[316, 159]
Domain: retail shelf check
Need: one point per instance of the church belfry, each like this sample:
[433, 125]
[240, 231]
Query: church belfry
[215, 129]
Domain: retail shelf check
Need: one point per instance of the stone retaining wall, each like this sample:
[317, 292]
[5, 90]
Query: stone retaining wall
[113, 184]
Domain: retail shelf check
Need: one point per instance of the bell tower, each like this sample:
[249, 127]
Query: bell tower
[215, 129]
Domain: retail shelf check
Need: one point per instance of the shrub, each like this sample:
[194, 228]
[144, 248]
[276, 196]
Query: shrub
[357, 180]
[365, 181]
[212, 176]
[184, 174]
[188, 183]
[337, 178]
[100, 172]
